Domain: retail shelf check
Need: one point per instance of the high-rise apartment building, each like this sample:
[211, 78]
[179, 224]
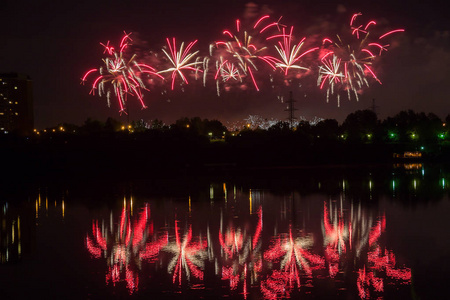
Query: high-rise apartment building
[16, 104]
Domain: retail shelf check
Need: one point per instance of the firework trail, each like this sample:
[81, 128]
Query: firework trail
[237, 56]
[243, 57]
[289, 54]
[346, 64]
[180, 60]
[120, 75]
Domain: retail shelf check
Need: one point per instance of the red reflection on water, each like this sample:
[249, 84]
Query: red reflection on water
[379, 262]
[232, 243]
[294, 256]
[352, 257]
[336, 235]
[373, 265]
[189, 256]
[242, 254]
[124, 246]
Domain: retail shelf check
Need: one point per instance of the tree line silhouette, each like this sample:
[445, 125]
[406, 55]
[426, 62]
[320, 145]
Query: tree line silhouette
[189, 144]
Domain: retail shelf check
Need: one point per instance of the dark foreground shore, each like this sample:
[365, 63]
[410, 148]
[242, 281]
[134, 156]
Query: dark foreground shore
[153, 156]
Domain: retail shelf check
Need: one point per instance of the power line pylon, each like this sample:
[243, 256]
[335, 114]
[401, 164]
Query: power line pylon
[291, 110]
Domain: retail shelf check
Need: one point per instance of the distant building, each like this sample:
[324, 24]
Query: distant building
[16, 104]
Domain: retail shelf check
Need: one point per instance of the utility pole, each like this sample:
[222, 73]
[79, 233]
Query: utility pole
[291, 110]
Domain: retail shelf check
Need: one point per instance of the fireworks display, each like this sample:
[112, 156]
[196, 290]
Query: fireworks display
[240, 52]
[289, 55]
[347, 63]
[120, 75]
[246, 57]
[180, 60]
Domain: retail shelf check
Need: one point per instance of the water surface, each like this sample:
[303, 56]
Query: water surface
[343, 233]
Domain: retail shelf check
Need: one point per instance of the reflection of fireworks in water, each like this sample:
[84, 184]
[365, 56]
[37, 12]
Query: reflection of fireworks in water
[242, 251]
[295, 257]
[336, 233]
[354, 234]
[344, 232]
[189, 256]
[347, 66]
[125, 246]
[351, 245]
[180, 60]
[379, 261]
[122, 75]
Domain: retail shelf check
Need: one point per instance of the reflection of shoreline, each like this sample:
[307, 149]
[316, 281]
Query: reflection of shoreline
[277, 260]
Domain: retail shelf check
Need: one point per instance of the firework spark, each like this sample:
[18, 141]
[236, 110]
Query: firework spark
[289, 54]
[180, 60]
[120, 75]
[352, 57]
[240, 51]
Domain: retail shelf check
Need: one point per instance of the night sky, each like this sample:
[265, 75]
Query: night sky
[56, 42]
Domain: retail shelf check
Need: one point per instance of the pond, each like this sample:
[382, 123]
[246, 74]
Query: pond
[366, 232]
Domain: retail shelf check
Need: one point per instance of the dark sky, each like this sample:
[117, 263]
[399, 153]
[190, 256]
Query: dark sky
[56, 42]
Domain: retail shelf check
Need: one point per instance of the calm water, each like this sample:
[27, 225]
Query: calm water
[359, 233]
